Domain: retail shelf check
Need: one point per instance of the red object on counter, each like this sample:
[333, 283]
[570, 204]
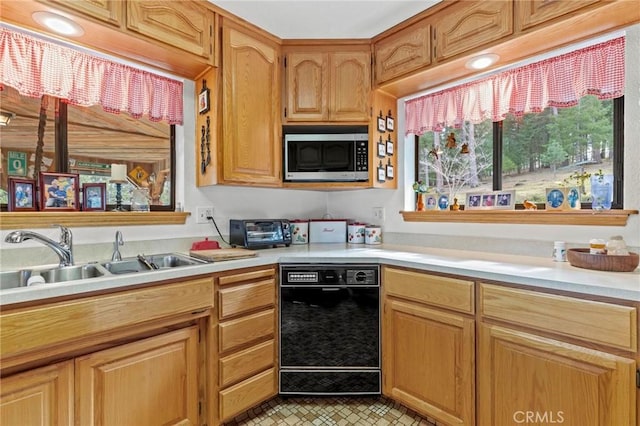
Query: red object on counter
[205, 245]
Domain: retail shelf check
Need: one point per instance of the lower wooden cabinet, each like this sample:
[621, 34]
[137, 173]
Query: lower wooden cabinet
[42, 396]
[525, 378]
[428, 361]
[153, 382]
[246, 348]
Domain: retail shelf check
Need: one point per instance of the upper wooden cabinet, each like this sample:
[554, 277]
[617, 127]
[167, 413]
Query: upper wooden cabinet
[251, 147]
[470, 24]
[108, 11]
[327, 84]
[530, 13]
[403, 52]
[188, 27]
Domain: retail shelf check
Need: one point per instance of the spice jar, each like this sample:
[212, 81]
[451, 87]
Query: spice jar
[616, 246]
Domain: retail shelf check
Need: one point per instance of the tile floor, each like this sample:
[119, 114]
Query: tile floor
[330, 411]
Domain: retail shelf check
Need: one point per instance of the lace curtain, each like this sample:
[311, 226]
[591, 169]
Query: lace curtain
[36, 67]
[558, 82]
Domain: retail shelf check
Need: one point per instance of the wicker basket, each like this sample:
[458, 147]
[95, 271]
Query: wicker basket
[581, 258]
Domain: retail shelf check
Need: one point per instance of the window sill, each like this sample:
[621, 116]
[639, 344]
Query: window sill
[535, 217]
[19, 220]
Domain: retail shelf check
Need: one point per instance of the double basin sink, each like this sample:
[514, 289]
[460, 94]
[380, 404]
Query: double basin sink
[130, 265]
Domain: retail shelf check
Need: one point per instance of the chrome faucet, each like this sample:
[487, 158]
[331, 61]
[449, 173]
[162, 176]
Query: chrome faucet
[116, 247]
[64, 248]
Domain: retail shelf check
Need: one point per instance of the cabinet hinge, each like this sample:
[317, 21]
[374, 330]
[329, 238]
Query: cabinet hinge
[285, 61]
[285, 113]
[199, 408]
[199, 335]
[638, 378]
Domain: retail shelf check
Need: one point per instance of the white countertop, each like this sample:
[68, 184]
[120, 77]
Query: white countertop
[534, 271]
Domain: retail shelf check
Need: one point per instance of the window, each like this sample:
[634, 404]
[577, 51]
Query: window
[550, 123]
[87, 140]
[529, 153]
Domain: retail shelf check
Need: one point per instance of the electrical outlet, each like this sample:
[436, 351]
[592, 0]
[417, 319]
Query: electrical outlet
[378, 214]
[202, 213]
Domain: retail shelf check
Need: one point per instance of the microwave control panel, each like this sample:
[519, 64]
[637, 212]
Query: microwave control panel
[362, 156]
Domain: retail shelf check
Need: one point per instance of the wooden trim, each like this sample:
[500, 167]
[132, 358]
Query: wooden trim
[16, 220]
[535, 217]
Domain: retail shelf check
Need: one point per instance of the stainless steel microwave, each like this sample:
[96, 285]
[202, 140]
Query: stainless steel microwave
[326, 157]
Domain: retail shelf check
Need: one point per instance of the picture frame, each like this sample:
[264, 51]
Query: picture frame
[431, 203]
[203, 99]
[505, 200]
[94, 197]
[473, 201]
[382, 174]
[555, 199]
[382, 124]
[382, 149]
[390, 123]
[22, 195]
[59, 191]
[389, 147]
[390, 171]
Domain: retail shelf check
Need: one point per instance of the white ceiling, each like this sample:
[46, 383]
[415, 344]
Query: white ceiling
[324, 18]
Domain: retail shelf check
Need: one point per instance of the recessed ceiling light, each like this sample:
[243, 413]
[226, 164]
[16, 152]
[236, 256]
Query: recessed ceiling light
[482, 61]
[58, 24]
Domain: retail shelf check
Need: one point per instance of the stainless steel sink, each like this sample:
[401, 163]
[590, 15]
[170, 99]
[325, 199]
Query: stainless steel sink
[161, 261]
[20, 278]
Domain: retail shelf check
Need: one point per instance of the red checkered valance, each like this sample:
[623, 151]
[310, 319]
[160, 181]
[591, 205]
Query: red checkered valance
[557, 82]
[36, 67]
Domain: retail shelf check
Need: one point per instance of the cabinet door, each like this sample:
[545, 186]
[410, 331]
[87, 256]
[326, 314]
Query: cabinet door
[428, 361]
[43, 396]
[530, 13]
[188, 27]
[467, 25]
[251, 145]
[403, 52]
[307, 86]
[108, 11]
[149, 382]
[526, 378]
[350, 86]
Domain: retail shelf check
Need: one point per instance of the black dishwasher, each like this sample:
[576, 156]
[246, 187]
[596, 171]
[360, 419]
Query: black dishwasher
[329, 329]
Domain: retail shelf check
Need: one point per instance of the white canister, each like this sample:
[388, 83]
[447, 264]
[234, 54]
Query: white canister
[560, 251]
[355, 233]
[299, 231]
[373, 234]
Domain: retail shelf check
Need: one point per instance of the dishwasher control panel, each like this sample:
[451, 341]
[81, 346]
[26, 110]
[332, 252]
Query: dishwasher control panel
[329, 274]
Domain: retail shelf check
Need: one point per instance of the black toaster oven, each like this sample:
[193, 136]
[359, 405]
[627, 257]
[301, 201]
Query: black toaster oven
[259, 233]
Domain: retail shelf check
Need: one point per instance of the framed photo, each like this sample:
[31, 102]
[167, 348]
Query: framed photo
[555, 199]
[488, 201]
[203, 98]
[382, 174]
[94, 196]
[389, 171]
[22, 195]
[505, 200]
[473, 201]
[443, 202]
[382, 149]
[382, 125]
[389, 147]
[431, 203]
[59, 191]
[390, 123]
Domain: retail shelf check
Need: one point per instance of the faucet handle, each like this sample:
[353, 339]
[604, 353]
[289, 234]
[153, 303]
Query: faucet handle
[66, 237]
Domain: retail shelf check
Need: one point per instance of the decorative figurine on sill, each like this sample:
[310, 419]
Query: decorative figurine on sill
[451, 141]
[528, 205]
[455, 206]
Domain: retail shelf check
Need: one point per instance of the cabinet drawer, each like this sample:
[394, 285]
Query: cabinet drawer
[451, 293]
[246, 394]
[597, 322]
[26, 329]
[244, 298]
[241, 331]
[243, 364]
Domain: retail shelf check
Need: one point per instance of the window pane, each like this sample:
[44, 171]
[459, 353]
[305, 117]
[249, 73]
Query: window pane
[544, 150]
[443, 163]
